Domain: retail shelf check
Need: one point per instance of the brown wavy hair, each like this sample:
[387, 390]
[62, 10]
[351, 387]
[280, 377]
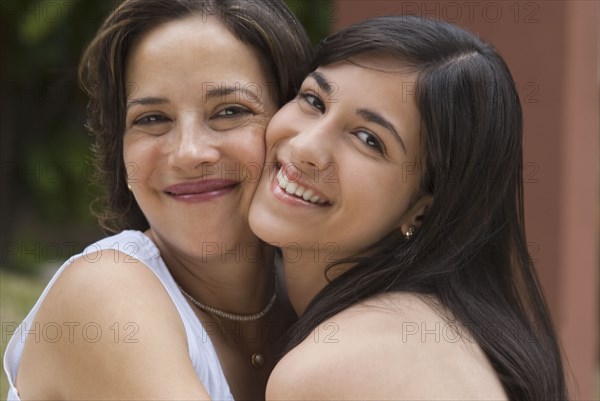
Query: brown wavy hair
[267, 26]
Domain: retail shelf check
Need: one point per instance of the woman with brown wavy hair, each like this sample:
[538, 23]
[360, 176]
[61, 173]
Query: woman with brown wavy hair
[182, 301]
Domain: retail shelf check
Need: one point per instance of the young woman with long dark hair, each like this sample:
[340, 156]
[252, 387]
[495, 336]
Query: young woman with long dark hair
[397, 202]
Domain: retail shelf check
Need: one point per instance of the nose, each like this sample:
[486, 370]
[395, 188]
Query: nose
[312, 146]
[194, 145]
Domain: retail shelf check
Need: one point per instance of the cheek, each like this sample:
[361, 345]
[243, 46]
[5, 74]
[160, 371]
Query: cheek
[137, 145]
[136, 156]
[248, 154]
[243, 156]
[131, 158]
[281, 125]
[383, 196]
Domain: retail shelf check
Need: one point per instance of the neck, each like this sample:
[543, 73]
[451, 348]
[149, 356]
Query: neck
[304, 277]
[228, 281]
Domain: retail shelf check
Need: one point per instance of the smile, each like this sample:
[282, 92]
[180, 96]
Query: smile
[201, 190]
[295, 189]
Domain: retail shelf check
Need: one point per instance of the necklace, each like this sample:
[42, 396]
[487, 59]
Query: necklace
[257, 360]
[232, 316]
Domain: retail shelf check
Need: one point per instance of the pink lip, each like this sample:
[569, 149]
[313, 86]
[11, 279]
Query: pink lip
[200, 190]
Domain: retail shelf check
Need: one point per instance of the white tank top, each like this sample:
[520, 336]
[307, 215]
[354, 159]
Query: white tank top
[137, 245]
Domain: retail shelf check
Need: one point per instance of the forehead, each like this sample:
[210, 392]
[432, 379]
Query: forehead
[374, 82]
[192, 45]
[384, 75]
[382, 62]
[169, 33]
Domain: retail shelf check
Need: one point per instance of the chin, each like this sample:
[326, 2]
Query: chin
[263, 226]
[263, 233]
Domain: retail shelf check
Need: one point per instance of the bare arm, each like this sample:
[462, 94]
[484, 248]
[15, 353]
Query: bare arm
[121, 338]
[379, 356]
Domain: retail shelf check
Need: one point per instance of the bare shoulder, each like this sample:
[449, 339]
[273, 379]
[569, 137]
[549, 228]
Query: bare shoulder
[396, 346]
[107, 329]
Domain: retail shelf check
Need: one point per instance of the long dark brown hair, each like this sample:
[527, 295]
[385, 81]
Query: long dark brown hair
[470, 254]
[267, 26]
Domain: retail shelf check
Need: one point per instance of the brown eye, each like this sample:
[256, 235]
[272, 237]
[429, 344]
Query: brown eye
[232, 111]
[152, 124]
[370, 140]
[150, 119]
[313, 101]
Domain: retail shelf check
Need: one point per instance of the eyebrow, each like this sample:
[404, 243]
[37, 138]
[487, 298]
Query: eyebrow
[378, 119]
[322, 82]
[146, 101]
[224, 90]
[367, 114]
[217, 92]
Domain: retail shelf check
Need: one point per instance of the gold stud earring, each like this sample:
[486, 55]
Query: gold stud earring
[129, 186]
[410, 232]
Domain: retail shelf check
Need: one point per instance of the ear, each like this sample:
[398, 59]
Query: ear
[415, 216]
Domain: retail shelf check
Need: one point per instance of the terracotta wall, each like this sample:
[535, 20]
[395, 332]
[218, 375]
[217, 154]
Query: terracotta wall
[552, 50]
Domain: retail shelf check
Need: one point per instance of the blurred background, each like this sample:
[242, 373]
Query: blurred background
[552, 48]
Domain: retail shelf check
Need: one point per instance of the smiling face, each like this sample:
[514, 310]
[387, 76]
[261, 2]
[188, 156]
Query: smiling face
[343, 160]
[197, 110]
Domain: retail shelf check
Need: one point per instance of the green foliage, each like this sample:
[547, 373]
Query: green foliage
[45, 169]
[317, 16]
[18, 294]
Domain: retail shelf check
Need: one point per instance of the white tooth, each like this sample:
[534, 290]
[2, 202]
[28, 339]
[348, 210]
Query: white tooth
[281, 180]
[300, 191]
[291, 188]
[308, 194]
[314, 199]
